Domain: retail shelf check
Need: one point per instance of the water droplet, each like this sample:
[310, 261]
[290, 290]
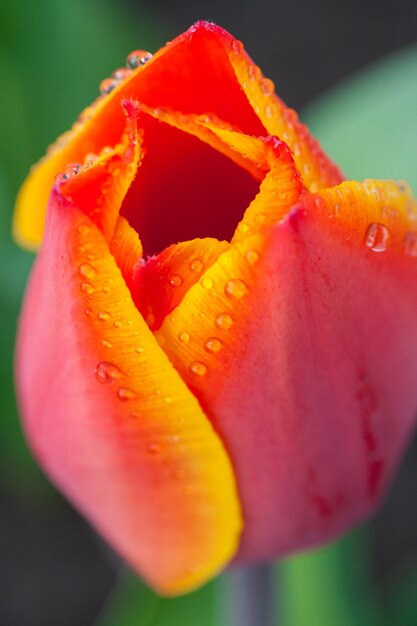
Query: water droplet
[107, 372]
[167, 400]
[410, 243]
[267, 86]
[138, 349]
[243, 228]
[87, 288]
[154, 448]
[107, 85]
[224, 321]
[254, 72]
[237, 46]
[121, 74]
[106, 289]
[138, 58]
[235, 288]
[106, 344]
[184, 337]
[175, 280]
[261, 218]
[125, 394]
[83, 229]
[252, 257]
[103, 316]
[403, 187]
[106, 152]
[117, 324]
[90, 158]
[87, 270]
[88, 312]
[207, 282]
[71, 171]
[269, 111]
[377, 237]
[196, 265]
[213, 344]
[198, 368]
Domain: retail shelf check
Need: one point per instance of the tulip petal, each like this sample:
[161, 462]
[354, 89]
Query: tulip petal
[192, 74]
[318, 315]
[317, 170]
[99, 189]
[159, 285]
[111, 420]
[203, 71]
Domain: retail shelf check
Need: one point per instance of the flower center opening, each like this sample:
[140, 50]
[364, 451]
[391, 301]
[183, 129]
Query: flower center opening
[184, 189]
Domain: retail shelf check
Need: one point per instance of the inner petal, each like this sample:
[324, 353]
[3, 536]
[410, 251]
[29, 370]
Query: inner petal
[184, 189]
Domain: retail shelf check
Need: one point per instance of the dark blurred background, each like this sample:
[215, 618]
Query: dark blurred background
[53, 54]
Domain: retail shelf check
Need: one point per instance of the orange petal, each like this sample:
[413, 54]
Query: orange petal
[317, 170]
[301, 349]
[192, 74]
[99, 188]
[159, 285]
[111, 420]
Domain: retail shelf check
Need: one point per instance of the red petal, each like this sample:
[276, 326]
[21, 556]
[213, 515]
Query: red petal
[110, 419]
[302, 344]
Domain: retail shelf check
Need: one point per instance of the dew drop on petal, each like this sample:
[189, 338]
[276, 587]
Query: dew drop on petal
[213, 345]
[121, 74]
[107, 85]
[175, 280]
[106, 344]
[107, 372]
[235, 288]
[254, 72]
[267, 86]
[252, 256]
[224, 321]
[154, 448]
[86, 270]
[207, 282]
[117, 324]
[138, 349]
[377, 237]
[138, 58]
[196, 265]
[103, 316]
[198, 368]
[125, 393]
[87, 288]
[71, 171]
[237, 46]
[184, 336]
[410, 243]
[83, 229]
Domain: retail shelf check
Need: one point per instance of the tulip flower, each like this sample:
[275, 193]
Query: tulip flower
[217, 350]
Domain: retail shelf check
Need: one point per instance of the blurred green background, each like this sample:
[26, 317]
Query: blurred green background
[352, 69]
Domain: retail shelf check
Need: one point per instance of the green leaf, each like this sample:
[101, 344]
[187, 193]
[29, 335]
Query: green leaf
[369, 123]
